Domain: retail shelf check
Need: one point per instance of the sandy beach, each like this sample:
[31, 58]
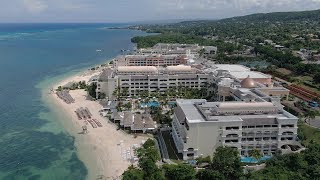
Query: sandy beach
[104, 149]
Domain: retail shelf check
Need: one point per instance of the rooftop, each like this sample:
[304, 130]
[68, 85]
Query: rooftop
[143, 121]
[106, 73]
[248, 83]
[231, 67]
[137, 69]
[251, 74]
[199, 110]
[179, 68]
[189, 110]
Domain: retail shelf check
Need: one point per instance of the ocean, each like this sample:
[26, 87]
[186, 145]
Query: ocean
[33, 144]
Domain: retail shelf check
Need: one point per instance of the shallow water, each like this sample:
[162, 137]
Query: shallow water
[33, 143]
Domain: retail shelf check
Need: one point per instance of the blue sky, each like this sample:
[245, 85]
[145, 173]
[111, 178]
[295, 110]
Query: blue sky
[139, 10]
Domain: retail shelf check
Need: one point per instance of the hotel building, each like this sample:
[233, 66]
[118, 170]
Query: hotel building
[150, 78]
[151, 60]
[191, 50]
[199, 127]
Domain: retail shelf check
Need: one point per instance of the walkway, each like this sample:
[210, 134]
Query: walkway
[315, 122]
[162, 145]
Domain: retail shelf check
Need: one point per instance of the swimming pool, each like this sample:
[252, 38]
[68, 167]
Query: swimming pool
[172, 103]
[252, 160]
[150, 104]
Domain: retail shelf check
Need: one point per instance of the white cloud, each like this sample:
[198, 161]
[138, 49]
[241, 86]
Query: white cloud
[35, 6]
[132, 10]
[227, 8]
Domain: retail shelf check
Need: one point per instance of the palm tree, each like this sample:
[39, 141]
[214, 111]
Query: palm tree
[311, 115]
[256, 154]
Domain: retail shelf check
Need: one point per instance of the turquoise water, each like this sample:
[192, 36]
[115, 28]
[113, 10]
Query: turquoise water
[150, 104]
[252, 160]
[33, 144]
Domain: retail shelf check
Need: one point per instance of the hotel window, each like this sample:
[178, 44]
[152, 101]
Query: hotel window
[287, 125]
[232, 128]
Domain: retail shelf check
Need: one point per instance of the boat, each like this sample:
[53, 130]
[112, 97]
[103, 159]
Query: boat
[98, 50]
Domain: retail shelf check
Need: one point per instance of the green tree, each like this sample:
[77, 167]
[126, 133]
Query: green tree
[316, 78]
[179, 172]
[102, 96]
[201, 52]
[59, 88]
[256, 154]
[210, 174]
[226, 160]
[128, 105]
[148, 156]
[82, 84]
[92, 89]
[149, 143]
[304, 165]
[124, 92]
[150, 169]
[201, 159]
[132, 174]
[119, 106]
[311, 115]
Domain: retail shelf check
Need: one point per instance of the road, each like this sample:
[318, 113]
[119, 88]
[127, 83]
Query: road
[315, 122]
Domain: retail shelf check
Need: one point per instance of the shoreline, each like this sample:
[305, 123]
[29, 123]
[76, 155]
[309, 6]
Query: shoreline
[102, 155]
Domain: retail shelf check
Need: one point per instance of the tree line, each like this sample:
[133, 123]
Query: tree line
[224, 165]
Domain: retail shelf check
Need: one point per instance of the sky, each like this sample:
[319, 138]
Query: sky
[140, 10]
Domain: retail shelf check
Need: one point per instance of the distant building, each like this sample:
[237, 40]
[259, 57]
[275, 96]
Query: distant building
[151, 60]
[280, 47]
[210, 50]
[227, 78]
[191, 50]
[268, 41]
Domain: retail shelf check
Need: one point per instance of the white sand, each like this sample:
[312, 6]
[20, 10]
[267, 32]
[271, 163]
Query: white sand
[100, 149]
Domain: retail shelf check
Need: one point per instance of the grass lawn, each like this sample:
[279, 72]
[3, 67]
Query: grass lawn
[310, 88]
[173, 154]
[310, 134]
[305, 78]
[284, 71]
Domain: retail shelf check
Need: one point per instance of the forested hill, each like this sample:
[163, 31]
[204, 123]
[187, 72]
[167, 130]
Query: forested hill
[297, 16]
[313, 15]
[302, 17]
[233, 36]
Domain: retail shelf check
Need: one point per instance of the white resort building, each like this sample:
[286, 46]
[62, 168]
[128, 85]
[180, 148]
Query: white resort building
[247, 115]
[150, 78]
[199, 127]
[190, 50]
[150, 60]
